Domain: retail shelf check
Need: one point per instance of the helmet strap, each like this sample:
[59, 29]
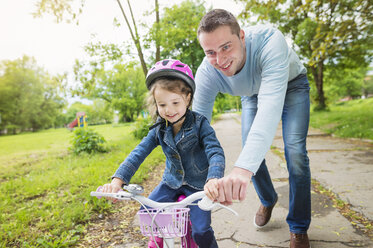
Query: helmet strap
[166, 122]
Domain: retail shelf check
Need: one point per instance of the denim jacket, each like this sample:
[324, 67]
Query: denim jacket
[193, 156]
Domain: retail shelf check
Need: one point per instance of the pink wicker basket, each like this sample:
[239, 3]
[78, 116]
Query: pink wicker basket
[169, 223]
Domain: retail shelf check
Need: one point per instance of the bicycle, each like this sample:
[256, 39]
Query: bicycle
[168, 220]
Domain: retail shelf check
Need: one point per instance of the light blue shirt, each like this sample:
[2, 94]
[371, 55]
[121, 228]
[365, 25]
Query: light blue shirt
[270, 64]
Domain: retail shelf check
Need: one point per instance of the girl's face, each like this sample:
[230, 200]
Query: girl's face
[171, 106]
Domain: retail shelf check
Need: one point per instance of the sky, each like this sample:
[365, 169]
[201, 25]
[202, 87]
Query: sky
[55, 46]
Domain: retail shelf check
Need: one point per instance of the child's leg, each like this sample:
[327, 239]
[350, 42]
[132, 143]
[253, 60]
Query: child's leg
[202, 232]
[163, 193]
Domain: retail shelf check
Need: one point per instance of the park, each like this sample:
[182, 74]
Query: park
[54, 151]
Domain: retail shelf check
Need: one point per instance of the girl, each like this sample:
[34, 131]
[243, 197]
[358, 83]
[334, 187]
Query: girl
[194, 157]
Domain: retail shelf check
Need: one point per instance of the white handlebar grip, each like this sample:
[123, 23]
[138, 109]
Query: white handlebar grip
[99, 190]
[206, 204]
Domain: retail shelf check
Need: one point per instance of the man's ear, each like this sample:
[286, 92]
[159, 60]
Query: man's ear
[242, 35]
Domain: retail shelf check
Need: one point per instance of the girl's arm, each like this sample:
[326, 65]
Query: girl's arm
[131, 164]
[133, 161]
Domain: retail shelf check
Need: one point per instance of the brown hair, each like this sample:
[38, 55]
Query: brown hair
[216, 18]
[170, 84]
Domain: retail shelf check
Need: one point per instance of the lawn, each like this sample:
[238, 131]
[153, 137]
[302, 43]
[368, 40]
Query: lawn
[44, 188]
[351, 119]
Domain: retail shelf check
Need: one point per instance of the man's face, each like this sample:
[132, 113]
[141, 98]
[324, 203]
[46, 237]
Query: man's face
[224, 50]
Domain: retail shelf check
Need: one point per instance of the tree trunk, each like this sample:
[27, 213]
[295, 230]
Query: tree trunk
[157, 46]
[136, 38]
[318, 74]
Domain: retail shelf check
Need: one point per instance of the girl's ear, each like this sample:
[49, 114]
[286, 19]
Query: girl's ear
[189, 98]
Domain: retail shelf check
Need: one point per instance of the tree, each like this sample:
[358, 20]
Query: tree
[99, 112]
[63, 10]
[30, 98]
[347, 84]
[226, 102]
[368, 84]
[122, 86]
[177, 32]
[135, 35]
[325, 33]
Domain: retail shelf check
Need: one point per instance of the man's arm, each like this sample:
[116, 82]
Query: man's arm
[274, 62]
[206, 91]
[271, 96]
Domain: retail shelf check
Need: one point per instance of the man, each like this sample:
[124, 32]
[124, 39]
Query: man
[257, 64]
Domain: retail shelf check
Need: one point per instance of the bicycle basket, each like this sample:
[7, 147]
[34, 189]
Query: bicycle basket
[169, 223]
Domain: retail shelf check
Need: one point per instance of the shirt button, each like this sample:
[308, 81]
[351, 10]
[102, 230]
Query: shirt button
[180, 172]
[176, 156]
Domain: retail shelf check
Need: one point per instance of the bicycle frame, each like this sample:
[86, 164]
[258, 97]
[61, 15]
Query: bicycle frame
[187, 241]
[133, 193]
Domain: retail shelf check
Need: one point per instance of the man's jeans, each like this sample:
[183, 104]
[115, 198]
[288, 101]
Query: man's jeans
[295, 120]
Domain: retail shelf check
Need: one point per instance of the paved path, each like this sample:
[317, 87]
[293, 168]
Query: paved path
[343, 166]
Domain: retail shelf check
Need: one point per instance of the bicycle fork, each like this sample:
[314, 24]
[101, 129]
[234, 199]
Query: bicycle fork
[186, 241]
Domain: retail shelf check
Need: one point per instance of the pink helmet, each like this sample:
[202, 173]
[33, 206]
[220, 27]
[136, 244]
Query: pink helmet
[171, 68]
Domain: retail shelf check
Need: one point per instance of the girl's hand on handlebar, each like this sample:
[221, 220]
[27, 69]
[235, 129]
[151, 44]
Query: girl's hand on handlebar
[211, 189]
[113, 187]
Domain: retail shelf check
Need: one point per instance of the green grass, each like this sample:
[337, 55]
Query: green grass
[352, 119]
[45, 202]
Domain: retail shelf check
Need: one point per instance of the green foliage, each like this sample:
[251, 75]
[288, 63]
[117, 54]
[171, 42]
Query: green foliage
[87, 140]
[177, 33]
[346, 83]
[122, 86]
[351, 119]
[226, 102]
[368, 85]
[30, 99]
[326, 33]
[44, 200]
[62, 10]
[141, 127]
[99, 112]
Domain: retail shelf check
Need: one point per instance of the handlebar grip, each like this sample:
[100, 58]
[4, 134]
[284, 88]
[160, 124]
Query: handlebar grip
[99, 190]
[207, 204]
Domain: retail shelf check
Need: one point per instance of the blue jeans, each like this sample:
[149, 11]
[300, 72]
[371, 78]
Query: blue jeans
[295, 120]
[202, 232]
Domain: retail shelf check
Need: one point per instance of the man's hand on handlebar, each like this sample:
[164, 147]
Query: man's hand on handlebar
[234, 186]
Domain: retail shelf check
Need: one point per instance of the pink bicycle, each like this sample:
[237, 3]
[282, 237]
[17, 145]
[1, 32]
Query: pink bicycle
[164, 221]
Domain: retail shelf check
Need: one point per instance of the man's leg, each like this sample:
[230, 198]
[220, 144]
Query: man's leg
[262, 180]
[295, 120]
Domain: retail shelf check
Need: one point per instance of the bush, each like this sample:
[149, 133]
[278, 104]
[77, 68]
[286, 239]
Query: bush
[141, 127]
[87, 140]
[12, 129]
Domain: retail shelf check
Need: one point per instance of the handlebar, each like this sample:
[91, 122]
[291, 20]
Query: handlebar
[205, 203]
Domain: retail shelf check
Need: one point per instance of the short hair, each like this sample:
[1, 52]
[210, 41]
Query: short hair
[216, 18]
[170, 84]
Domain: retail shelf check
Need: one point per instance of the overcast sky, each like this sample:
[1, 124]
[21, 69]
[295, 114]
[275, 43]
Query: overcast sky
[56, 46]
